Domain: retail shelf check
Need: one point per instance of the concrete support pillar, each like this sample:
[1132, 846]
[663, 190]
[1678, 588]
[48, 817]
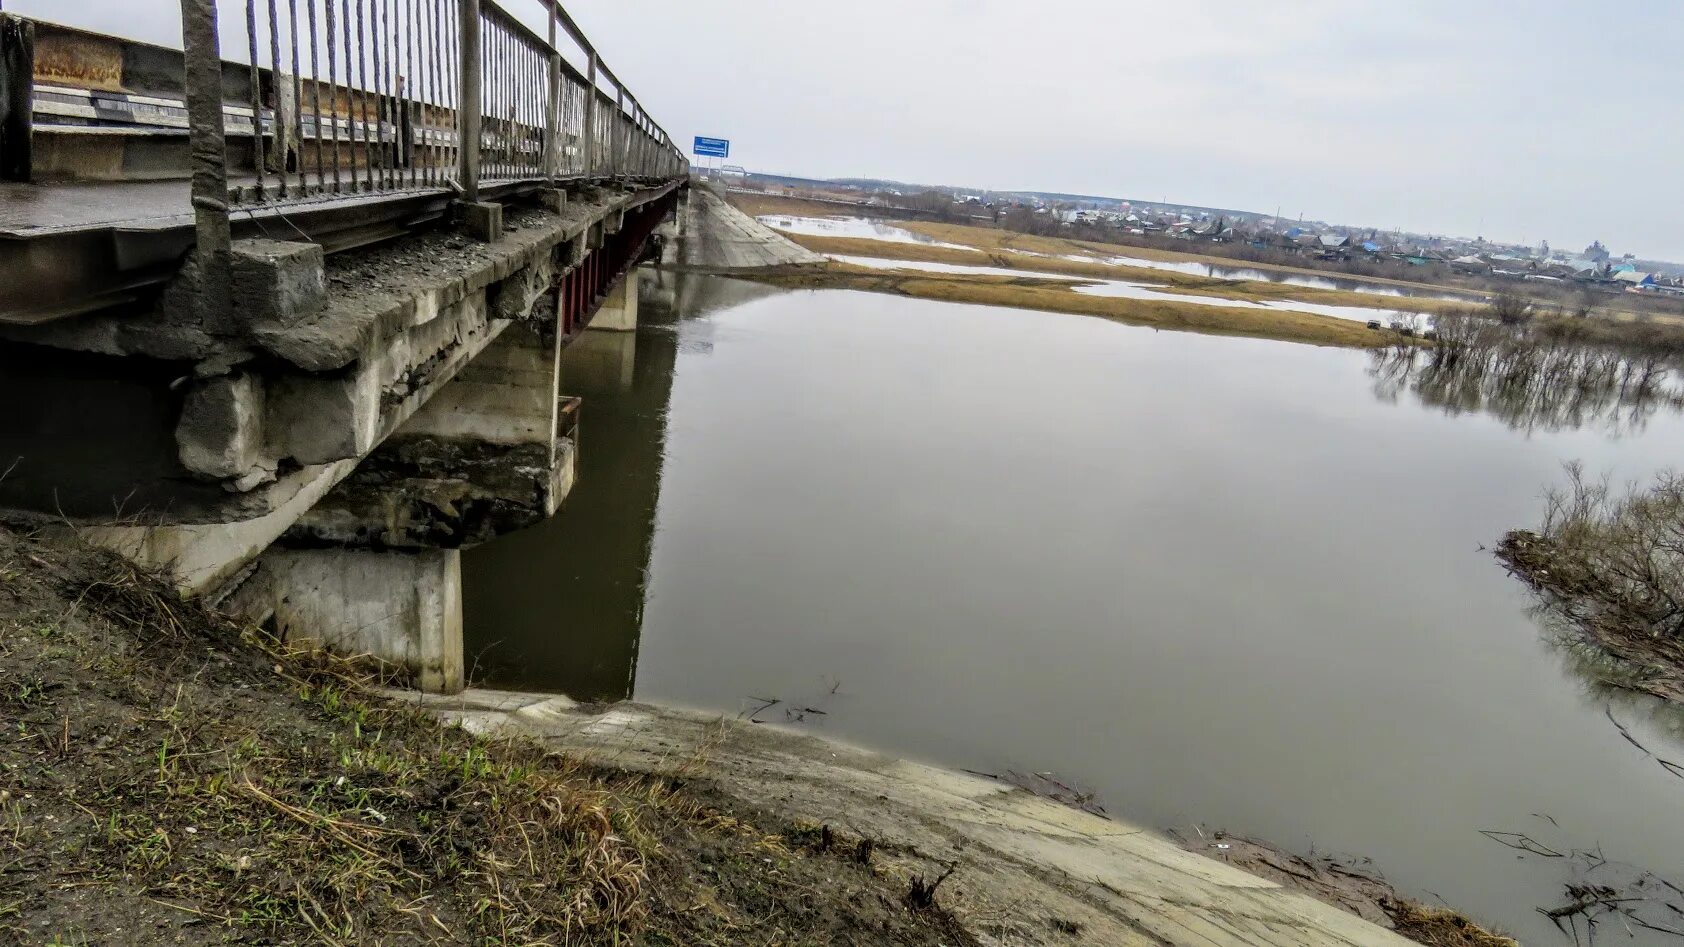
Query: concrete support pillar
[403, 608]
[618, 312]
[599, 361]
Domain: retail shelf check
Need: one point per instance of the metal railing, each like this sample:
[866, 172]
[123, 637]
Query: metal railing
[358, 97]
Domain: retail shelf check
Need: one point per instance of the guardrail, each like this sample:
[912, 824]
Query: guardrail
[358, 97]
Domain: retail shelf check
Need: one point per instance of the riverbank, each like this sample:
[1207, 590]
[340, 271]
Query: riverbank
[166, 778]
[1021, 867]
[1419, 296]
[170, 778]
[1043, 260]
[1054, 295]
[986, 237]
[723, 240]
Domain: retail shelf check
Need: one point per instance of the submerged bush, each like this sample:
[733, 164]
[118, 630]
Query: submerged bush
[1609, 565]
[1549, 374]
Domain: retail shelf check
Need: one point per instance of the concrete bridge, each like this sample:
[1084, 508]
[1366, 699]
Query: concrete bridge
[285, 320]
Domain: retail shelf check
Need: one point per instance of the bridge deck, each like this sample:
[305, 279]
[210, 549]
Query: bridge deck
[32, 210]
[67, 248]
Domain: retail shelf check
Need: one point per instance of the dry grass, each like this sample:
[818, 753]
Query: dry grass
[1615, 307]
[169, 777]
[988, 238]
[1440, 927]
[1168, 280]
[1051, 295]
[755, 205]
[1618, 307]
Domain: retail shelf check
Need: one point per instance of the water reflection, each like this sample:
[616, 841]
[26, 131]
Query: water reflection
[559, 606]
[1530, 385]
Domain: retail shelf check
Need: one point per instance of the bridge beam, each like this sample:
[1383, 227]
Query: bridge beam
[492, 452]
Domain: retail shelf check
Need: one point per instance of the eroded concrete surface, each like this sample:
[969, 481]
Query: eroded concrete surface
[719, 237]
[1030, 871]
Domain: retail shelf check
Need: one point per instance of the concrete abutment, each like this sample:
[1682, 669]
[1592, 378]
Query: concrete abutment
[402, 608]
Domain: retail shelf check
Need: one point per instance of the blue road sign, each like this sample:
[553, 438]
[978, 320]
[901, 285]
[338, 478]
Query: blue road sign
[712, 147]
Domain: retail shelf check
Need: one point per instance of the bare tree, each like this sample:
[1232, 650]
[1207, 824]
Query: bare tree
[1511, 309]
[1610, 566]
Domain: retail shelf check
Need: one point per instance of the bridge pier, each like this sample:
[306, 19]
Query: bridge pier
[374, 567]
[618, 312]
[403, 608]
[602, 358]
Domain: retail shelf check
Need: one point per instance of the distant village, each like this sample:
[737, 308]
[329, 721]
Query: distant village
[1594, 267]
[1595, 264]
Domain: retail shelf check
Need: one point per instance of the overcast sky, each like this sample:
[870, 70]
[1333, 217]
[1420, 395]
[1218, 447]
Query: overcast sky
[1515, 120]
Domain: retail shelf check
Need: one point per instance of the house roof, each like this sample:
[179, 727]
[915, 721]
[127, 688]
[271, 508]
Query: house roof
[1334, 240]
[1632, 276]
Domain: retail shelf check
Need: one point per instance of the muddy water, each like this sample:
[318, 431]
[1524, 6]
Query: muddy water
[1220, 581]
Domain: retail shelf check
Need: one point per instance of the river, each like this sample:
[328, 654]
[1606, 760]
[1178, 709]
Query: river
[1216, 581]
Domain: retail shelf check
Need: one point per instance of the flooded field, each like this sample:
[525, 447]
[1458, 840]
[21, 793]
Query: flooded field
[1132, 290]
[878, 230]
[1215, 581]
[858, 227]
[930, 267]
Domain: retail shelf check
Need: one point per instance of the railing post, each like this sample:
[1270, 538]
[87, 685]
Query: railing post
[469, 107]
[588, 140]
[552, 116]
[619, 130]
[207, 139]
[17, 96]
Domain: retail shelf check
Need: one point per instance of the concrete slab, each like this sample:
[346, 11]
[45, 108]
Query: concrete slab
[1031, 871]
[719, 236]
